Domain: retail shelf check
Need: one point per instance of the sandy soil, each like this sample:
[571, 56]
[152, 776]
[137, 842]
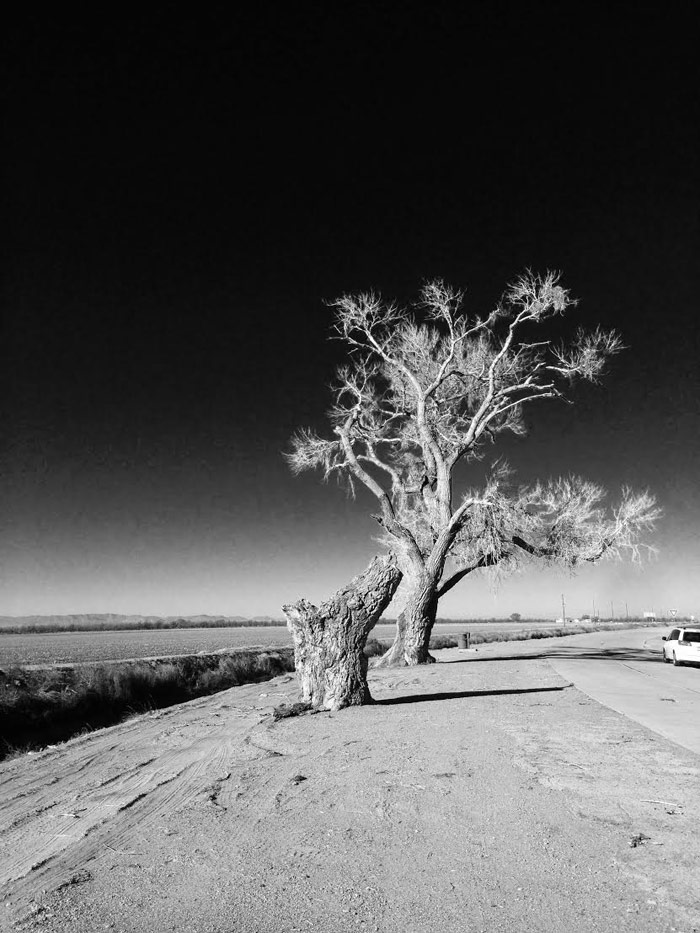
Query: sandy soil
[471, 797]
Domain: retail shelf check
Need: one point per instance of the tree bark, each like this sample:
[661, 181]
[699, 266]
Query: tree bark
[329, 640]
[414, 627]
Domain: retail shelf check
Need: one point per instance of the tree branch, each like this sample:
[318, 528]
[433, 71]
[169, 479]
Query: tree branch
[488, 560]
[388, 518]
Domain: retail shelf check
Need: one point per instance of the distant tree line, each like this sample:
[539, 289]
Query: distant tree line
[49, 628]
[140, 625]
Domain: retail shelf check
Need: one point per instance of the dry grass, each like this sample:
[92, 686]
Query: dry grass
[374, 648]
[52, 704]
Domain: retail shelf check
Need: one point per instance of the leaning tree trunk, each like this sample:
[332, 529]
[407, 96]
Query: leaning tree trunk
[329, 640]
[414, 627]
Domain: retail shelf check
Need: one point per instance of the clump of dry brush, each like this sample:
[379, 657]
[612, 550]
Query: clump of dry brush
[41, 705]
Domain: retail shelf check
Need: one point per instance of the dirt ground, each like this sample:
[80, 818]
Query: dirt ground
[471, 797]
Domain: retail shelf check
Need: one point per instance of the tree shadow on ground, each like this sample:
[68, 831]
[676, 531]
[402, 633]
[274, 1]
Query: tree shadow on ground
[571, 653]
[463, 694]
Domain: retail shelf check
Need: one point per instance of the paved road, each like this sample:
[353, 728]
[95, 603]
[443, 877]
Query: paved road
[624, 671]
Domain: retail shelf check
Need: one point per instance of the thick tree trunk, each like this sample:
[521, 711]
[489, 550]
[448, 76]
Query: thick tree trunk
[414, 627]
[329, 640]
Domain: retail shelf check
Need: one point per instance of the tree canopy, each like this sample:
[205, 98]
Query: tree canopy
[429, 387]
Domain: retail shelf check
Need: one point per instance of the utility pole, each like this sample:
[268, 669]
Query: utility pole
[612, 611]
[563, 609]
[627, 615]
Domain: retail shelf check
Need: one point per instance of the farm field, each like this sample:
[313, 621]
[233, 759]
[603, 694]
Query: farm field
[74, 647]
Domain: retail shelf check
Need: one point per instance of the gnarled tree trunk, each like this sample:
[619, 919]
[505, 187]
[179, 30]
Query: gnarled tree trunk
[414, 627]
[329, 640]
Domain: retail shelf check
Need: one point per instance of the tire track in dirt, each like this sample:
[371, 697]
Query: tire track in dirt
[120, 782]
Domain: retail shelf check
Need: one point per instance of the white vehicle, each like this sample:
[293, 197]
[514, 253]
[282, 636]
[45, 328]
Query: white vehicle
[682, 646]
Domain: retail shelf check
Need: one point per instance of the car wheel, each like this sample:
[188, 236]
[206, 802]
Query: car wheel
[676, 662]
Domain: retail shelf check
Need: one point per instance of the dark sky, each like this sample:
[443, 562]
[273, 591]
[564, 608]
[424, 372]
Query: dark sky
[182, 198]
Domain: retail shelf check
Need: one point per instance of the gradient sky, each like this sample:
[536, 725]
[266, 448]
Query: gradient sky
[182, 200]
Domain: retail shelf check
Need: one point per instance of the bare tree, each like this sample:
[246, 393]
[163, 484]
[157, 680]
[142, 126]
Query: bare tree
[424, 391]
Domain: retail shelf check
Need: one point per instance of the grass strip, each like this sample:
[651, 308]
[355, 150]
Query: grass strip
[483, 638]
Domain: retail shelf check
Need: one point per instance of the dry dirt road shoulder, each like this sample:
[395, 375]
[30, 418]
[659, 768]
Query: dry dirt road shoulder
[471, 797]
